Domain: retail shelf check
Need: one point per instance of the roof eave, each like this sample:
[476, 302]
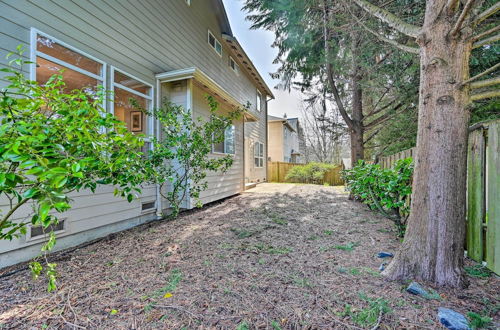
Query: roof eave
[242, 56]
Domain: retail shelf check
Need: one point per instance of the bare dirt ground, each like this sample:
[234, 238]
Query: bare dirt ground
[280, 257]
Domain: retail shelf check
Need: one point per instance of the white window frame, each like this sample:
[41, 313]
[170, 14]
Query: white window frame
[36, 53]
[224, 143]
[256, 154]
[236, 68]
[150, 98]
[216, 42]
[259, 101]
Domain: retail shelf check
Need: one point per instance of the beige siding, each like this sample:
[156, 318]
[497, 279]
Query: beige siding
[141, 38]
[276, 141]
[221, 185]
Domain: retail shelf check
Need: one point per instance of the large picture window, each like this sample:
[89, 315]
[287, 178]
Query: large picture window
[127, 90]
[226, 146]
[79, 70]
[258, 152]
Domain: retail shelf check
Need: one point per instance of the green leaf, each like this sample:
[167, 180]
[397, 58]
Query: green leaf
[44, 211]
[30, 193]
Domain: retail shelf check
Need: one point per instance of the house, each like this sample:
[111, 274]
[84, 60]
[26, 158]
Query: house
[147, 50]
[286, 140]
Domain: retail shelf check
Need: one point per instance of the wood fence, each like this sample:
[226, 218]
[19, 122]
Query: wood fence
[389, 161]
[483, 193]
[277, 171]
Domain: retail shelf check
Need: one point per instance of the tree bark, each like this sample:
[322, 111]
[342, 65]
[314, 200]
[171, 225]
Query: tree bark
[357, 131]
[433, 245]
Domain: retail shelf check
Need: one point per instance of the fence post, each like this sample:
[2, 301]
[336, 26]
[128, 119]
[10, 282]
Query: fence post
[493, 197]
[475, 196]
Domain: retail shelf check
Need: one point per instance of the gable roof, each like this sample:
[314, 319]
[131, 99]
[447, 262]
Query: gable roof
[279, 119]
[230, 40]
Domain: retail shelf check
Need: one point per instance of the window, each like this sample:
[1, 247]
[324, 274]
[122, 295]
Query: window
[79, 71]
[226, 146]
[233, 65]
[258, 153]
[214, 43]
[188, 2]
[127, 88]
[259, 100]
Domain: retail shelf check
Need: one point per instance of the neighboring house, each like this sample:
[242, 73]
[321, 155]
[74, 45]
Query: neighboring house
[286, 140]
[180, 49]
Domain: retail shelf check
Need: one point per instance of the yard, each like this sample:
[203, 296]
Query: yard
[281, 256]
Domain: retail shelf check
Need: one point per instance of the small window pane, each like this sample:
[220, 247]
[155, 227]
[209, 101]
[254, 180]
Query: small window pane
[211, 40]
[219, 147]
[218, 47]
[50, 47]
[126, 112]
[72, 79]
[131, 83]
[229, 140]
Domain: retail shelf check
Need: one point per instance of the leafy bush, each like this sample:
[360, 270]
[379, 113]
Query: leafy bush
[309, 173]
[385, 190]
[185, 146]
[52, 143]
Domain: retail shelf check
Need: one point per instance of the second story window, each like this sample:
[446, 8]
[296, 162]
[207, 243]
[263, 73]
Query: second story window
[214, 43]
[259, 100]
[233, 65]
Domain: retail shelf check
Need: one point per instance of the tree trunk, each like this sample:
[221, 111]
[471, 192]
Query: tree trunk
[357, 131]
[433, 245]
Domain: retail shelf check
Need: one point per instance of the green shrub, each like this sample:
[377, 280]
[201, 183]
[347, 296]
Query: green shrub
[385, 190]
[309, 173]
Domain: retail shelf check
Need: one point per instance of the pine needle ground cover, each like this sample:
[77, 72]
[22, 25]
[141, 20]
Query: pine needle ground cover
[300, 257]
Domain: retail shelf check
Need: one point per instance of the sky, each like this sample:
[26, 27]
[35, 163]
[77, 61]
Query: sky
[257, 45]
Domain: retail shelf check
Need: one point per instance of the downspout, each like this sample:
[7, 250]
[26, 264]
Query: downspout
[267, 138]
[244, 160]
[159, 208]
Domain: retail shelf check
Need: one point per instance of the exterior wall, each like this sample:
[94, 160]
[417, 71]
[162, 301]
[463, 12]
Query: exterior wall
[140, 38]
[288, 142]
[220, 185]
[256, 132]
[276, 141]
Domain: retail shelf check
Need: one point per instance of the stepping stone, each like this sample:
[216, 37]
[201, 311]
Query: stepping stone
[417, 289]
[452, 320]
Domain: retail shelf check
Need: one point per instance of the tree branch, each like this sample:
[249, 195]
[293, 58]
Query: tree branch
[493, 68]
[11, 211]
[485, 83]
[389, 18]
[372, 135]
[461, 18]
[485, 95]
[382, 119]
[329, 73]
[487, 41]
[373, 113]
[396, 44]
[485, 33]
[487, 13]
